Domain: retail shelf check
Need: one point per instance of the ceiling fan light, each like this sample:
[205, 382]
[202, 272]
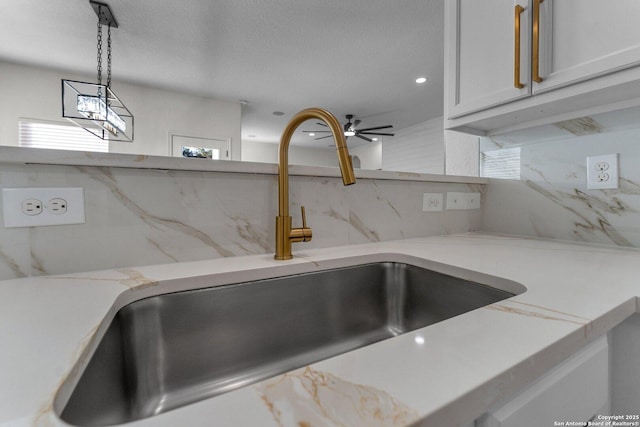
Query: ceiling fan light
[349, 133]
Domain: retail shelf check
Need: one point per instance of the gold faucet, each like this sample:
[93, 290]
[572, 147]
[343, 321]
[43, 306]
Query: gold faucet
[285, 234]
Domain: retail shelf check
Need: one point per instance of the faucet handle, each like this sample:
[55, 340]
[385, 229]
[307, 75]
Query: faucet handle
[301, 234]
[304, 217]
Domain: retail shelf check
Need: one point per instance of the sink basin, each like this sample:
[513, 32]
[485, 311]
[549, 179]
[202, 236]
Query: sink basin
[170, 350]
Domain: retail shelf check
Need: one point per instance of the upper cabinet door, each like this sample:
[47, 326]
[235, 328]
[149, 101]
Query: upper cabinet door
[582, 39]
[488, 48]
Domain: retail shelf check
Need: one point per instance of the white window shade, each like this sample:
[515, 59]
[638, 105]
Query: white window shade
[59, 137]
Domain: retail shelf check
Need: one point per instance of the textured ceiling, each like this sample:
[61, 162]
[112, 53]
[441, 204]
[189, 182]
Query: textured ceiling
[356, 57]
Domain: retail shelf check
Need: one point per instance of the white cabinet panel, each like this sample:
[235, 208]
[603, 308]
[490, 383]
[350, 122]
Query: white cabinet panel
[483, 60]
[582, 39]
[575, 390]
[625, 366]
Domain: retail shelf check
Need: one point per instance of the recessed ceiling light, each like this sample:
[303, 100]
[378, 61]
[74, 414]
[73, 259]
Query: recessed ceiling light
[312, 134]
[374, 139]
[421, 80]
[278, 113]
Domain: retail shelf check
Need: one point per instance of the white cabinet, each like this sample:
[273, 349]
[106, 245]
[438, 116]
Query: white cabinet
[575, 390]
[502, 58]
[582, 39]
[482, 53]
[625, 367]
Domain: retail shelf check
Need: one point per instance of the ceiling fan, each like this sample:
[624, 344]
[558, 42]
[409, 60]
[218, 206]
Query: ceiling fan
[350, 129]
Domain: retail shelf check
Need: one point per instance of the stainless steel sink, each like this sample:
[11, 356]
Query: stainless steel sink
[170, 350]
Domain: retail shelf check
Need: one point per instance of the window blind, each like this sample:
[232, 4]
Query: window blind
[59, 137]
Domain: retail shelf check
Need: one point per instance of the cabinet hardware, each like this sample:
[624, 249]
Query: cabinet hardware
[535, 61]
[516, 55]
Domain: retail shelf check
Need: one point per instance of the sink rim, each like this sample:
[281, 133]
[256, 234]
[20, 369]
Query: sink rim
[277, 270]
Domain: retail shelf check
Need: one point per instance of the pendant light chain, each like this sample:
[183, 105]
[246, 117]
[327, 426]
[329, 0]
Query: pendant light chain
[99, 52]
[109, 57]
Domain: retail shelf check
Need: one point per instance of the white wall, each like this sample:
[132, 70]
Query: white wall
[418, 148]
[35, 93]
[264, 152]
[462, 154]
[370, 155]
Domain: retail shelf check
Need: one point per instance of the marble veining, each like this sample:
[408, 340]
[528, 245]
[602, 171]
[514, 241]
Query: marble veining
[540, 313]
[11, 263]
[309, 397]
[359, 225]
[160, 249]
[552, 200]
[581, 126]
[551, 310]
[106, 177]
[44, 416]
[133, 279]
[249, 232]
[149, 216]
[588, 205]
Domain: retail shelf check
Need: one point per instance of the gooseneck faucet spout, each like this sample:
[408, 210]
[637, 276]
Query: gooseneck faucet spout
[285, 234]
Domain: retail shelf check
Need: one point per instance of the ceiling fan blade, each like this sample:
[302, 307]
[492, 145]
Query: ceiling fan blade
[377, 133]
[322, 124]
[323, 137]
[316, 131]
[356, 122]
[377, 127]
[364, 137]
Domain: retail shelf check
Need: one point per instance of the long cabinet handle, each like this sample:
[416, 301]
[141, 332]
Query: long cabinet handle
[516, 54]
[535, 60]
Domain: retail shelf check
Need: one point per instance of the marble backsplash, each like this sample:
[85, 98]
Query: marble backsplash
[152, 216]
[551, 200]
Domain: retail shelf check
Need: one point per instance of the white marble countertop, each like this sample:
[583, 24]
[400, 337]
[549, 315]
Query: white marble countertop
[458, 369]
[38, 156]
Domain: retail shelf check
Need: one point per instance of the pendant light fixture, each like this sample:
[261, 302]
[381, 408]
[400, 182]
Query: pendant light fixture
[94, 106]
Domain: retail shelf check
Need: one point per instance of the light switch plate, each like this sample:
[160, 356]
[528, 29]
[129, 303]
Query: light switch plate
[459, 201]
[432, 202]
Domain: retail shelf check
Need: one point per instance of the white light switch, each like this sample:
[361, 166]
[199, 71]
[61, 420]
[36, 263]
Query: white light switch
[465, 201]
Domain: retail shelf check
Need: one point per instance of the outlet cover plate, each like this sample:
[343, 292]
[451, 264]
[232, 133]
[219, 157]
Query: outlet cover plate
[459, 201]
[432, 202]
[602, 172]
[13, 216]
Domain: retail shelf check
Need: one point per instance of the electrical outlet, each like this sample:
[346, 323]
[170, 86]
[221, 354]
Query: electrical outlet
[57, 206]
[432, 202]
[31, 207]
[458, 201]
[24, 207]
[602, 172]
